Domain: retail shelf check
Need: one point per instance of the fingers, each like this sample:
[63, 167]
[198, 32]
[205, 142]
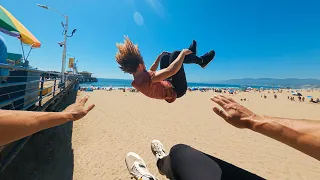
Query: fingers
[227, 99]
[218, 100]
[90, 108]
[231, 100]
[221, 113]
[84, 100]
[224, 99]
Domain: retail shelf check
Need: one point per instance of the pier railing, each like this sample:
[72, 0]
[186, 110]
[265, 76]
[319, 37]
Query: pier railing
[30, 90]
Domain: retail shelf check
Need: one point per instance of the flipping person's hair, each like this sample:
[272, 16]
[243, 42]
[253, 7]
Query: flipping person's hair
[128, 56]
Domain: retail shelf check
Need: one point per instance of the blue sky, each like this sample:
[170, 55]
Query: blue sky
[252, 38]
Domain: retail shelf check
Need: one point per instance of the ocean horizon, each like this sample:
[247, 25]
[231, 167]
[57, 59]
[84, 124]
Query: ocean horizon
[126, 83]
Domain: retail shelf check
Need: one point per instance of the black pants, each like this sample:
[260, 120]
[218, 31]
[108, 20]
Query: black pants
[178, 80]
[186, 163]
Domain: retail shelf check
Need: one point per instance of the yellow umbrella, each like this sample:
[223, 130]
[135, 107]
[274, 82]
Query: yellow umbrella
[8, 23]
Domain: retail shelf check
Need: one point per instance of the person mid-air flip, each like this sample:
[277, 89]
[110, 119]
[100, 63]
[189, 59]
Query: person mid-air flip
[170, 81]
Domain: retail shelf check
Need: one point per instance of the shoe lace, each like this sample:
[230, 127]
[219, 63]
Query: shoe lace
[158, 149]
[138, 172]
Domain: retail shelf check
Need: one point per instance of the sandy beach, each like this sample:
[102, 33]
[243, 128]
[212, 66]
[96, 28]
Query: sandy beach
[123, 122]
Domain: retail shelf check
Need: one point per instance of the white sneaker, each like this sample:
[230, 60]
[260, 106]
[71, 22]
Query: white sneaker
[157, 149]
[137, 167]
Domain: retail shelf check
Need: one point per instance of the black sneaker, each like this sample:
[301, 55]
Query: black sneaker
[207, 58]
[193, 47]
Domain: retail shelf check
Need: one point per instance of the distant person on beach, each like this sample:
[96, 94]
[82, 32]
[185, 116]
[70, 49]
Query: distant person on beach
[186, 163]
[168, 83]
[15, 125]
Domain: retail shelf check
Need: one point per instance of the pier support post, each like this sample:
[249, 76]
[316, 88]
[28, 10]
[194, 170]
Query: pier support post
[41, 89]
[54, 86]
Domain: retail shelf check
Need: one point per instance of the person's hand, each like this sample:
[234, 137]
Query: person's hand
[186, 52]
[78, 110]
[234, 113]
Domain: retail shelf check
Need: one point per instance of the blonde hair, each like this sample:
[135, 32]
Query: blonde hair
[128, 56]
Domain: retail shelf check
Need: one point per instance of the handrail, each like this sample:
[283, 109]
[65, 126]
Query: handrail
[31, 104]
[7, 102]
[17, 84]
[8, 66]
[23, 103]
[22, 76]
[18, 91]
[23, 92]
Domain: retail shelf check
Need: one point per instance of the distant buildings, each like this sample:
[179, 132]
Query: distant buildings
[87, 77]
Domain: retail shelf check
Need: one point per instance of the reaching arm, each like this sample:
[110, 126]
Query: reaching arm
[304, 126]
[303, 135]
[15, 125]
[172, 69]
[155, 64]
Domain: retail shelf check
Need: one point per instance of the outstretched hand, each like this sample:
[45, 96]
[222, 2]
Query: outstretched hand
[233, 113]
[78, 110]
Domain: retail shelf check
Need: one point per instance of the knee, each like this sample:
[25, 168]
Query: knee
[176, 149]
[164, 60]
[175, 54]
[181, 92]
[165, 56]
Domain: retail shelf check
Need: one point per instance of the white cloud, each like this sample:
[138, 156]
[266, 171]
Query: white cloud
[157, 7]
[138, 18]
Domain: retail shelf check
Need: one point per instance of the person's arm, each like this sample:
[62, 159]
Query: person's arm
[172, 69]
[303, 135]
[15, 125]
[155, 64]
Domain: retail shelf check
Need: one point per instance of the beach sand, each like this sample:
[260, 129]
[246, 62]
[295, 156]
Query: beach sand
[123, 122]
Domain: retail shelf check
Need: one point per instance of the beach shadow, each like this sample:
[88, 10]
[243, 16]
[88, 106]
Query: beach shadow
[47, 155]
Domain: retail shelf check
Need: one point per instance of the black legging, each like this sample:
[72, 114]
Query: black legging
[186, 163]
[178, 80]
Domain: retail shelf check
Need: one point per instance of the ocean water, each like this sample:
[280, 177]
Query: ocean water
[124, 83]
